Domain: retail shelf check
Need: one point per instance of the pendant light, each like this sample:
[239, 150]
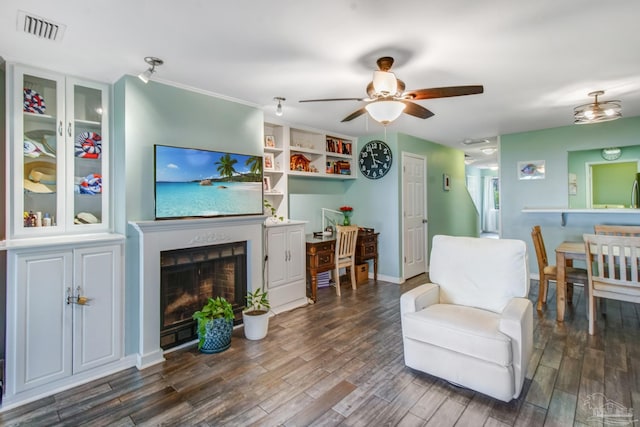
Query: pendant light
[597, 112]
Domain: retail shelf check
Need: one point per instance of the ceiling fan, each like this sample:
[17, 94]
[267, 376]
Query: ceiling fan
[388, 98]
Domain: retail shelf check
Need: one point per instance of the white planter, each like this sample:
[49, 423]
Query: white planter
[255, 327]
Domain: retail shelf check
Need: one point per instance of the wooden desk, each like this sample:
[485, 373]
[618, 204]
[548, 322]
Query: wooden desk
[566, 252]
[321, 256]
[366, 249]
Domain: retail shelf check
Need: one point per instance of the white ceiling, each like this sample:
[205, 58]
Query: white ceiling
[536, 60]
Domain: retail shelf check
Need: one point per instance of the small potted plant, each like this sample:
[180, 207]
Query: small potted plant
[256, 315]
[271, 211]
[215, 325]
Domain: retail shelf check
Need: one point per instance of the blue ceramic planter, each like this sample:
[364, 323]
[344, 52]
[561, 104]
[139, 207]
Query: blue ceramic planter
[217, 336]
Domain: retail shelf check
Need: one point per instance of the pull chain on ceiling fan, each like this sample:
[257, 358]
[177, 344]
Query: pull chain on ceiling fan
[387, 98]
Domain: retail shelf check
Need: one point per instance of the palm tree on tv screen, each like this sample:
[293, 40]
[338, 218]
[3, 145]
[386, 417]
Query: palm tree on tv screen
[255, 164]
[225, 166]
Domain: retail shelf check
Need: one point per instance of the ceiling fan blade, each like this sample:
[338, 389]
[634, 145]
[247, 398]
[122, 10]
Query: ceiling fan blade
[443, 92]
[332, 99]
[416, 110]
[355, 114]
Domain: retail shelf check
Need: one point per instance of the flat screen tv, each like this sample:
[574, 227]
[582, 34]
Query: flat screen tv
[193, 182]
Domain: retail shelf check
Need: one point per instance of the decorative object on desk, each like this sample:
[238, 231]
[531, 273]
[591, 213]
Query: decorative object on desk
[375, 159]
[270, 141]
[533, 169]
[215, 325]
[271, 211]
[446, 182]
[268, 162]
[347, 211]
[256, 316]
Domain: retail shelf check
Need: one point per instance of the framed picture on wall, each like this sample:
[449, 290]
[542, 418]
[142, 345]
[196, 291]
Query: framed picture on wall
[266, 184]
[268, 162]
[531, 169]
[270, 141]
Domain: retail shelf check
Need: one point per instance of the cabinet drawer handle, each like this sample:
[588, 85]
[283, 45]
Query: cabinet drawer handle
[69, 129]
[60, 128]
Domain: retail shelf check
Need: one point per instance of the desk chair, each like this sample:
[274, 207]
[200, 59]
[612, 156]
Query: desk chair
[345, 255]
[612, 267]
[550, 272]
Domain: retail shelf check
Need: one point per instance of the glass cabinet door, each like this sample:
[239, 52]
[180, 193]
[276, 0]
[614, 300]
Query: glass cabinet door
[60, 157]
[87, 131]
[39, 166]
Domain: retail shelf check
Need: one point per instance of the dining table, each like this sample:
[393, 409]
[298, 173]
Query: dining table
[566, 253]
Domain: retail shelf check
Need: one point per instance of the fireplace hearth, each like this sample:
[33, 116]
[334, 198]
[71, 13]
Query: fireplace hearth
[149, 239]
[188, 277]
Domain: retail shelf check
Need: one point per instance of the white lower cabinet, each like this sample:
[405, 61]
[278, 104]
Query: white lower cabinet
[286, 268]
[66, 308]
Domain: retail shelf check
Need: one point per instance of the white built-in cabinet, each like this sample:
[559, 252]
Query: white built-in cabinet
[66, 308]
[286, 267]
[303, 152]
[60, 154]
[65, 281]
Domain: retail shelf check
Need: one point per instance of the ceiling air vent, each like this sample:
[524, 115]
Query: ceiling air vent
[40, 27]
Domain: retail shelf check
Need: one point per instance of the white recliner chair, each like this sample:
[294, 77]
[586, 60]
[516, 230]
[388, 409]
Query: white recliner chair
[473, 324]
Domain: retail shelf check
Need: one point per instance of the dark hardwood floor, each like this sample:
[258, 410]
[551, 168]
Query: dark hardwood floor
[340, 362]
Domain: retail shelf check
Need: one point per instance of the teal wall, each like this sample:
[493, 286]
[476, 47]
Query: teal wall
[155, 113]
[377, 203]
[552, 146]
[577, 161]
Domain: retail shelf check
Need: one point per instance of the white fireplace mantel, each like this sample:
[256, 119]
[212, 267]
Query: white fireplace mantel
[153, 237]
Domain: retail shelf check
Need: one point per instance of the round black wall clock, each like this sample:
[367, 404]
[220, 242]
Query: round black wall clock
[375, 159]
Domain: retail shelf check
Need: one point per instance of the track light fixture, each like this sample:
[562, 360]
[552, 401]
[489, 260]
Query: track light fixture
[279, 106]
[145, 76]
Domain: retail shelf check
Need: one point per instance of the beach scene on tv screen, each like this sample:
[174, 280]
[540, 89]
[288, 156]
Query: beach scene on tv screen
[192, 182]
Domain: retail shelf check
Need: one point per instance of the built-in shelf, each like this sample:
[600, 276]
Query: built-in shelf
[566, 211]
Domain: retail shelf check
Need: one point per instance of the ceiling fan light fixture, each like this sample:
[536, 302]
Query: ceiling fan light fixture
[489, 150]
[597, 112]
[385, 83]
[385, 111]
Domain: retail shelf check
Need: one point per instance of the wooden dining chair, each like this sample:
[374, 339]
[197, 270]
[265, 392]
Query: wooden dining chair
[617, 230]
[612, 270]
[550, 272]
[345, 254]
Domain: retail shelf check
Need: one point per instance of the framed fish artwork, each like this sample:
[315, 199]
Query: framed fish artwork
[533, 169]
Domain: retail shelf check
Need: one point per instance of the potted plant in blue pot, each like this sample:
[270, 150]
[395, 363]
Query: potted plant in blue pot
[215, 325]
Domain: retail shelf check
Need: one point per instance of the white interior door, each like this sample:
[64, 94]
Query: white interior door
[414, 206]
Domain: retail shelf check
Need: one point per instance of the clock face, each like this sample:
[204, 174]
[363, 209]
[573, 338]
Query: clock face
[375, 159]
